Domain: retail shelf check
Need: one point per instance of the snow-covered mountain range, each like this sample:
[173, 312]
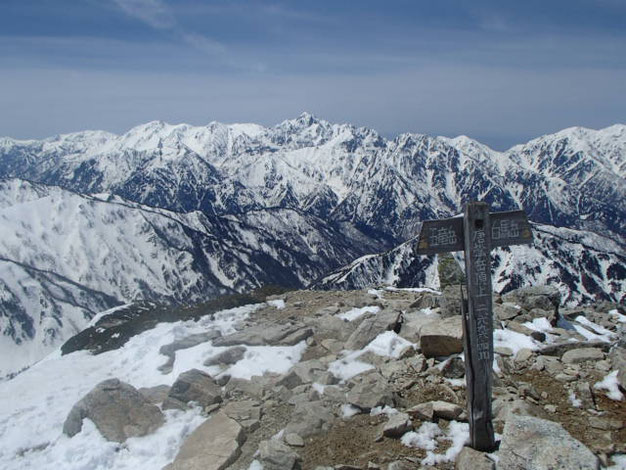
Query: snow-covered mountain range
[181, 213]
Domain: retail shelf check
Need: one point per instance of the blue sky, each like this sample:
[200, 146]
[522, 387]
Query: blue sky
[502, 72]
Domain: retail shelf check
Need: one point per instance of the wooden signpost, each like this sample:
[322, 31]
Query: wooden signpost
[476, 233]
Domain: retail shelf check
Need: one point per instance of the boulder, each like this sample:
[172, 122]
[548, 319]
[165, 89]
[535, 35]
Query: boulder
[470, 459]
[214, 445]
[371, 327]
[155, 395]
[308, 418]
[539, 444]
[261, 335]
[576, 356]
[413, 323]
[442, 337]
[274, 455]
[450, 273]
[247, 413]
[431, 410]
[454, 368]
[187, 342]
[506, 311]
[543, 297]
[397, 425]
[117, 409]
[451, 301]
[372, 390]
[228, 357]
[503, 409]
[193, 386]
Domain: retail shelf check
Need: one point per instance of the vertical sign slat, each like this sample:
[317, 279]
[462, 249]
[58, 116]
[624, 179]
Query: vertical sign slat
[479, 324]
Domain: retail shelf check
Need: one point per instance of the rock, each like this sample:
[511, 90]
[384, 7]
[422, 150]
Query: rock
[187, 342]
[294, 440]
[247, 413]
[503, 351]
[372, 390]
[576, 356]
[309, 418]
[290, 380]
[454, 368]
[274, 455]
[450, 301]
[503, 409]
[618, 362]
[442, 337]
[228, 357]
[397, 425]
[156, 394]
[426, 300]
[450, 273]
[413, 323]
[193, 386]
[332, 345]
[538, 336]
[117, 409]
[371, 327]
[431, 410]
[606, 423]
[523, 355]
[558, 349]
[543, 297]
[505, 311]
[470, 459]
[271, 335]
[242, 387]
[539, 444]
[518, 328]
[214, 445]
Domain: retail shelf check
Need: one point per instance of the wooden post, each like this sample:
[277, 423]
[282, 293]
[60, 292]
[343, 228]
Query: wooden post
[478, 324]
[476, 233]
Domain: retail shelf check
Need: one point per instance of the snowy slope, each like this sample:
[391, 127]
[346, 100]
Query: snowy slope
[584, 266]
[65, 257]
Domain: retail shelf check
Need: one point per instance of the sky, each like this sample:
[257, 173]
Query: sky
[502, 72]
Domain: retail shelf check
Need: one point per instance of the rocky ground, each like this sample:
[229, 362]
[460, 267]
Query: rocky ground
[381, 385]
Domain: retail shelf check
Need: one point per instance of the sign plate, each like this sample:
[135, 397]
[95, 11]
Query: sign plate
[441, 236]
[510, 228]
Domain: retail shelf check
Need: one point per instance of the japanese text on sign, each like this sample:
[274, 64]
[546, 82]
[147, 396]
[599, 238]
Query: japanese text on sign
[442, 236]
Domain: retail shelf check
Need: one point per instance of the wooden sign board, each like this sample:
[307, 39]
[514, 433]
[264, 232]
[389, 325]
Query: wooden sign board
[476, 233]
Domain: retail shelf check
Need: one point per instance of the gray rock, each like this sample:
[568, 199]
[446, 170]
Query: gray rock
[454, 368]
[214, 445]
[426, 300]
[397, 425]
[294, 440]
[523, 355]
[505, 311]
[372, 390]
[618, 363]
[413, 323]
[309, 418]
[442, 337]
[260, 335]
[450, 273]
[431, 410]
[274, 455]
[539, 444]
[371, 327]
[290, 380]
[242, 387]
[228, 357]
[576, 356]
[187, 342]
[543, 297]
[470, 459]
[193, 386]
[451, 301]
[117, 409]
[156, 394]
[247, 413]
[558, 349]
[503, 409]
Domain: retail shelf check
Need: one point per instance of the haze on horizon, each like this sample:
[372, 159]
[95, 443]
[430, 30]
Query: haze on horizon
[500, 73]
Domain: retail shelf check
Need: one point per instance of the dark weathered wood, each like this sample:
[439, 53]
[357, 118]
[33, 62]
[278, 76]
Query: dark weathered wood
[441, 236]
[479, 325]
[510, 228]
[477, 233]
